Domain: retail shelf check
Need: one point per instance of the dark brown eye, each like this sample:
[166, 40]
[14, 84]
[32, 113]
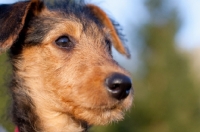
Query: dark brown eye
[64, 42]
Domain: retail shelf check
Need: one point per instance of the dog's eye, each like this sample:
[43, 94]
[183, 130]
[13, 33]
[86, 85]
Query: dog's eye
[64, 42]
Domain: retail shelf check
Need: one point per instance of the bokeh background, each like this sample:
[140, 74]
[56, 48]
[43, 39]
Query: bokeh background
[164, 40]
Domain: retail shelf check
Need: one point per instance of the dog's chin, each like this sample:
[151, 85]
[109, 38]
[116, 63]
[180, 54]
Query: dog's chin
[103, 116]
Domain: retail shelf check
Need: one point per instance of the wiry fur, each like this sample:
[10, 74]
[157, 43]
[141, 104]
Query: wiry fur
[55, 89]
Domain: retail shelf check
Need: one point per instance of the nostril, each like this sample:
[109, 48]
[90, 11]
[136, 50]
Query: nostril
[119, 85]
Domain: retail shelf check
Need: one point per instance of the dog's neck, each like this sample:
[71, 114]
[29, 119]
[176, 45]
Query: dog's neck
[33, 113]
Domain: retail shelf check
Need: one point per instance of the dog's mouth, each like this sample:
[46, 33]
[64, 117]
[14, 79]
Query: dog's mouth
[99, 112]
[110, 104]
[122, 105]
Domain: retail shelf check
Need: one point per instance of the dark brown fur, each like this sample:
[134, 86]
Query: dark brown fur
[54, 88]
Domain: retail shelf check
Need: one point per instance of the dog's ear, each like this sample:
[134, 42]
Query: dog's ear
[12, 20]
[102, 16]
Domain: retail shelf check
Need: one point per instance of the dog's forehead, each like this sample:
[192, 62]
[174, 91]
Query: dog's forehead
[73, 9]
[63, 22]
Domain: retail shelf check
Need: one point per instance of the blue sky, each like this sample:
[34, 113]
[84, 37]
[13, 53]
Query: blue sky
[189, 34]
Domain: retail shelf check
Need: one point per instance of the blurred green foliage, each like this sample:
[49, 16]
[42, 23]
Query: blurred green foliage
[4, 94]
[166, 99]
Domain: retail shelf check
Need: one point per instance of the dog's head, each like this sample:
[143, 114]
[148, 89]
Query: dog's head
[64, 57]
[13, 19]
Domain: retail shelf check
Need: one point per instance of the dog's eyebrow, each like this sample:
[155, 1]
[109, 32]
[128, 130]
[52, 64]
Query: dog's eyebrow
[38, 29]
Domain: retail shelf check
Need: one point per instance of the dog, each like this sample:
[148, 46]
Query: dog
[64, 78]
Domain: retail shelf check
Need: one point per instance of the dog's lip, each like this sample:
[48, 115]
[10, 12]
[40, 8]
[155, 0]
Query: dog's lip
[115, 105]
[105, 107]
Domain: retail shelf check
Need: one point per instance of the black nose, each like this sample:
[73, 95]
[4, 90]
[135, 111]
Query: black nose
[119, 85]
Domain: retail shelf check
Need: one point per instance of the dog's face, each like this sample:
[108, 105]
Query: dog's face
[65, 59]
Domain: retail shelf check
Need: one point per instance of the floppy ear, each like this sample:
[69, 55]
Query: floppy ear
[12, 20]
[117, 43]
